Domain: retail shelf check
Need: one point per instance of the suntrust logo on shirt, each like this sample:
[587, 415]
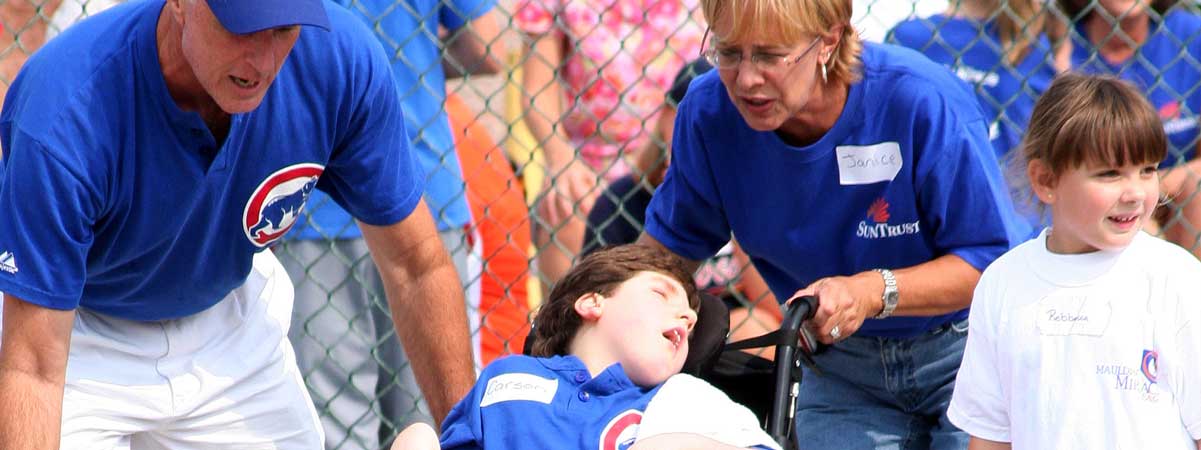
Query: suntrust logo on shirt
[879, 228]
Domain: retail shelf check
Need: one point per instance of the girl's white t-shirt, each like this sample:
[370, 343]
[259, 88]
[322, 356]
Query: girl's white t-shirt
[1098, 350]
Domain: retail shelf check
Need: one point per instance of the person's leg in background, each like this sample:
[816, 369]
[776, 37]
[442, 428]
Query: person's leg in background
[335, 336]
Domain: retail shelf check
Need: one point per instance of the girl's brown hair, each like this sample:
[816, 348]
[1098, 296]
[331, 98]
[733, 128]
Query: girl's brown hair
[1085, 119]
[601, 273]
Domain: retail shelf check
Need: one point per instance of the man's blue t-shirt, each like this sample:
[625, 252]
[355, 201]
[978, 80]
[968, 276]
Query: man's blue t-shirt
[118, 201]
[408, 31]
[905, 175]
[1166, 69]
[973, 51]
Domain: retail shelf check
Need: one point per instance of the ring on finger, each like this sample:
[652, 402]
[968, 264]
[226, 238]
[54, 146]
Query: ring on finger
[835, 333]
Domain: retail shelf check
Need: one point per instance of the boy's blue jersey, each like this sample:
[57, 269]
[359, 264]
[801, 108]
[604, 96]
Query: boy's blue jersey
[973, 51]
[118, 201]
[905, 175]
[408, 31]
[1166, 69]
[526, 403]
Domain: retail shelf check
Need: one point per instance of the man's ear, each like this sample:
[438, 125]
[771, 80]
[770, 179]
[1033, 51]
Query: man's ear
[590, 306]
[1042, 181]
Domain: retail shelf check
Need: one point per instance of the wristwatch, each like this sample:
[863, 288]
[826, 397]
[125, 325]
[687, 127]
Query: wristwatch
[890, 293]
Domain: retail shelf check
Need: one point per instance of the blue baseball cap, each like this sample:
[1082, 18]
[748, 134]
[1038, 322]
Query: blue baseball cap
[249, 16]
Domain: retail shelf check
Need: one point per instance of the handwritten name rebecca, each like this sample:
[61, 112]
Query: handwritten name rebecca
[1058, 316]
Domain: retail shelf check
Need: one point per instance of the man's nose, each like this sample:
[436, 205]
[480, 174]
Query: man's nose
[259, 48]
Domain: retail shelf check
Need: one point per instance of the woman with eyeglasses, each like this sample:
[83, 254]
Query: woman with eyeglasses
[856, 172]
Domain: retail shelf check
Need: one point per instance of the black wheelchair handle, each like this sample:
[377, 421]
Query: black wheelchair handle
[796, 312]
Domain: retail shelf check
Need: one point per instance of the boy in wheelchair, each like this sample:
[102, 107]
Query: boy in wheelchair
[607, 351]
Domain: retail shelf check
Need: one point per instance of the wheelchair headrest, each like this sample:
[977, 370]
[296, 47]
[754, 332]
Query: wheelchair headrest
[705, 344]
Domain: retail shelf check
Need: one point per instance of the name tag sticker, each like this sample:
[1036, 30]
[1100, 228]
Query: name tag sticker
[1073, 315]
[519, 386]
[866, 164]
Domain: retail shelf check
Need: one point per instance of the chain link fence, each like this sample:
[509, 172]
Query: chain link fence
[574, 120]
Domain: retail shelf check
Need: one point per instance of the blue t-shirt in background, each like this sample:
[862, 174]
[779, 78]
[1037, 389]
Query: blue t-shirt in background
[1166, 69]
[118, 201]
[408, 31]
[905, 175]
[973, 51]
[1006, 93]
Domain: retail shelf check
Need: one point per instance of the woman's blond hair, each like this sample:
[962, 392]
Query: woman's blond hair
[788, 21]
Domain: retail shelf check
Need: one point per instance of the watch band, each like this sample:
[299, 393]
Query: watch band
[890, 294]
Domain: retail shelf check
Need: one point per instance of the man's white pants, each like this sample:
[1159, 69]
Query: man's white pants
[224, 378]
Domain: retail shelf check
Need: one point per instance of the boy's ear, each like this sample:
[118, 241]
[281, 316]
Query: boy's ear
[1042, 181]
[590, 306]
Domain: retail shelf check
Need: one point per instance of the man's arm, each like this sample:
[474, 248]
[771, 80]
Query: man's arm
[33, 369]
[427, 306]
[474, 49]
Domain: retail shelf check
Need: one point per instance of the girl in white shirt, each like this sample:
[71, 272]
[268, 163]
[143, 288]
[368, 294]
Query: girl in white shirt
[1088, 336]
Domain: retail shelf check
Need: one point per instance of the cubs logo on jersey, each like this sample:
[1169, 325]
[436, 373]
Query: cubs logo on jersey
[277, 202]
[620, 433]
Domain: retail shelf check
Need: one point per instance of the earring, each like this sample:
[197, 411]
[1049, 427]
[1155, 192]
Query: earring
[824, 69]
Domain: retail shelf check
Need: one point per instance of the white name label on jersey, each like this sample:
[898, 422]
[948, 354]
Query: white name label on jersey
[1063, 315]
[519, 386]
[867, 164]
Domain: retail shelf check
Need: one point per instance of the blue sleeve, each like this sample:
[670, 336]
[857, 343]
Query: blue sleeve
[463, 427]
[959, 183]
[373, 174]
[916, 34]
[455, 13]
[686, 214]
[46, 228]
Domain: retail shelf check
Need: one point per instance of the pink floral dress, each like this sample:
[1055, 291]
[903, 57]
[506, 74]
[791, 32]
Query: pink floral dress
[621, 57]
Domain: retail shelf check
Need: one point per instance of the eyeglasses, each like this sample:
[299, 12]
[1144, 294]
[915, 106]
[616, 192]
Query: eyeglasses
[731, 58]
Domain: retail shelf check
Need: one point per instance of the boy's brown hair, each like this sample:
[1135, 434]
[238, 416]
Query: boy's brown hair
[601, 273]
[1090, 119]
